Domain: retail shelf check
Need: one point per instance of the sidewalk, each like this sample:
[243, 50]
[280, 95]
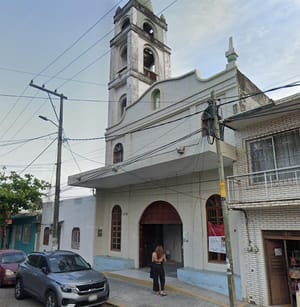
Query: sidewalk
[173, 286]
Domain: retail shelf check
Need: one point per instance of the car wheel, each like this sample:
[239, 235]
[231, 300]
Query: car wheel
[19, 289]
[51, 299]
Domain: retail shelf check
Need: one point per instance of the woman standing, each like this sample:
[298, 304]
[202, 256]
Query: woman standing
[158, 259]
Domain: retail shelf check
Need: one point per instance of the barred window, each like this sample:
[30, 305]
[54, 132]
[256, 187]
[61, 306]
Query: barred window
[75, 244]
[274, 152]
[26, 233]
[116, 223]
[215, 230]
[46, 236]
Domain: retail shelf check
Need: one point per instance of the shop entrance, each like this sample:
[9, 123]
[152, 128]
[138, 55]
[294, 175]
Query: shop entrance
[282, 251]
[160, 224]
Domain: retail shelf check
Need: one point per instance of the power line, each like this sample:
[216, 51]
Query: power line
[48, 76]
[78, 39]
[15, 142]
[43, 151]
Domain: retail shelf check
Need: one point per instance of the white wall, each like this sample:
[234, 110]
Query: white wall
[77, 212]
[188, 196]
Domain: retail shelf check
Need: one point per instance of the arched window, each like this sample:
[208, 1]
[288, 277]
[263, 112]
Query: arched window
[156, 99]
[149, 61]
[148, 29]
[215, 230]
[125, 23]
[123, 104]
[149, 64]
[75, 244]
[116, 223]
[46, 236]
[123, 55]
[118, 153]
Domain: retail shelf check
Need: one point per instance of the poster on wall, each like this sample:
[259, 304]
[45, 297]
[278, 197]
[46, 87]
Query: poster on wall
[216, 238]
[217, 244]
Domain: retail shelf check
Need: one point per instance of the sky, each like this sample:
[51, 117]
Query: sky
[64, 44]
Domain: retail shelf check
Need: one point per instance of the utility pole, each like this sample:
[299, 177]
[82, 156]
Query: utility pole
[55, 238]
[229, 261]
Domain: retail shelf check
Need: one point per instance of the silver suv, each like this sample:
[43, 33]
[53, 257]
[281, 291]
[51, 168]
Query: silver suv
[60, 278]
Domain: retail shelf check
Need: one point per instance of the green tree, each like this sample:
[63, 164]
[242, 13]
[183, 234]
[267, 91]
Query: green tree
[17, 193]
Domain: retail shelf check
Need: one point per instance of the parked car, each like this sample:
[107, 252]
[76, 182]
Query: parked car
[60, 278]
[9, 262]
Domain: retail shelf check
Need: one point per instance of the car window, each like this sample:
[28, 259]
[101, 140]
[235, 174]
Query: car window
[67, 263]
[43, 262]
[34, 260]
[13, 257]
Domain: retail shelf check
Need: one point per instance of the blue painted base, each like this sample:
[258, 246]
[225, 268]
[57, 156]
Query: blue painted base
[213, 281]
[105, 263]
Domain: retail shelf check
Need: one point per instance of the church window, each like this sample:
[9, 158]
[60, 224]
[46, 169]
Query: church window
[75, 243]
[148, 29]
[215, 230]
[116, 223]
[156, 99]
[149, 64]
[123, 104]
[125, 23]
[118, 153]
[124, 56]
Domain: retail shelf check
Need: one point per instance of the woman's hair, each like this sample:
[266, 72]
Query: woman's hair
[159, 251]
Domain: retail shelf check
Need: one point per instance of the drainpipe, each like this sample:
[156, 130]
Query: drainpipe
[250, 248]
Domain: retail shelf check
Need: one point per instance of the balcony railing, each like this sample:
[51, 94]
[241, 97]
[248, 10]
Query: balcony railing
[272, 185]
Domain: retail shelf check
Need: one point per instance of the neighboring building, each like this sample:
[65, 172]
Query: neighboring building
[160, 184]
[266, 188]
[24, 232]
[76, 226]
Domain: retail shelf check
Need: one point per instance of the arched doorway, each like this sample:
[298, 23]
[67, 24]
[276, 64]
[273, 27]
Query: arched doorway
[161, 224]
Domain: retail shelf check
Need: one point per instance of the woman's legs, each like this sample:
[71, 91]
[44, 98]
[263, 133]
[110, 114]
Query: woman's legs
[155, 279]
[162, 280]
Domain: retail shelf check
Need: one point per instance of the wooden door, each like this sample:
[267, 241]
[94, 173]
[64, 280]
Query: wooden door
[277, 274]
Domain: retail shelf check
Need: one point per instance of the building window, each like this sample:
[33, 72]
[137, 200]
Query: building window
[26, 233]
[123, 54]
[18, 232]
[215, 230]
[75, 244]
[125, 23]
[148, 29]
[149, 64]
[46, 236]
[156, 99]
[274, 152]
[118, 153]
[123, 104]
[116, 222]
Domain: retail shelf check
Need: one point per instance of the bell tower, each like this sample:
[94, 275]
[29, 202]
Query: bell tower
[139, 55]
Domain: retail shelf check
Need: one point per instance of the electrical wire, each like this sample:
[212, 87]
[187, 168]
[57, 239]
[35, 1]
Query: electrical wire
[41, 153]
[15, 142]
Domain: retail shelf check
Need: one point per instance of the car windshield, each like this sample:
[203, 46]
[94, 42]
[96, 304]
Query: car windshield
[13, 258]
[67, 263]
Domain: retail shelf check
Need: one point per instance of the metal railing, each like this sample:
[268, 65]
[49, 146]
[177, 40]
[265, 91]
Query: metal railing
[272, 185]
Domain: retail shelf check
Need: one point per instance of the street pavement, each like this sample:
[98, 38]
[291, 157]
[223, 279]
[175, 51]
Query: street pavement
[133, 288]
[7, 299]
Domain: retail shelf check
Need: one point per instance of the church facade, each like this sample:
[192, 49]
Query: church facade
[160, 184]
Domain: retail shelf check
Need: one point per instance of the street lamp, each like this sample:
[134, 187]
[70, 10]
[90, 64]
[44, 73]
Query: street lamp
[55, 238]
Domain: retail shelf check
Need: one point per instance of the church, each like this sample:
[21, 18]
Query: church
[160, 182]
